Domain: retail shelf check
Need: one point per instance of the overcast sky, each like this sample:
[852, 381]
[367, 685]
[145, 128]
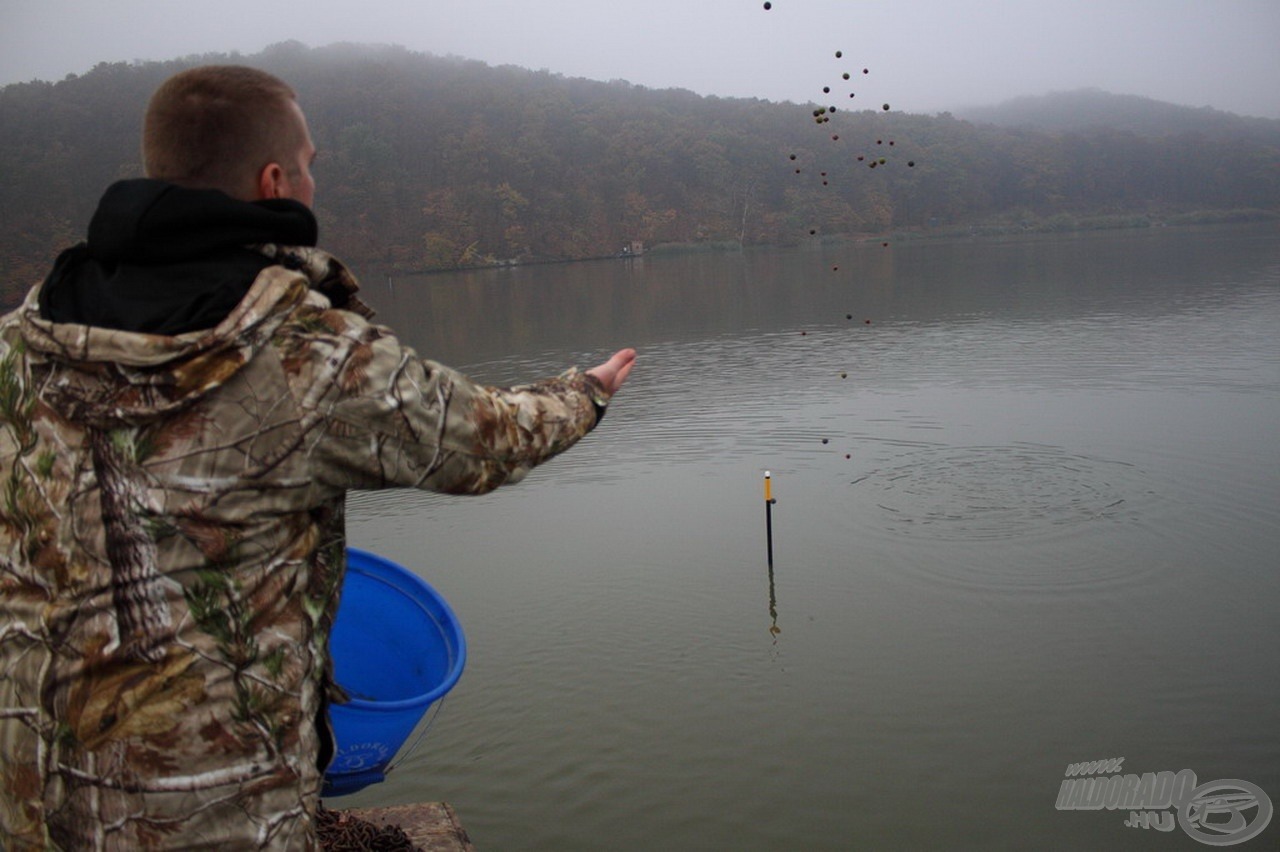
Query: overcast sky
[924, 55]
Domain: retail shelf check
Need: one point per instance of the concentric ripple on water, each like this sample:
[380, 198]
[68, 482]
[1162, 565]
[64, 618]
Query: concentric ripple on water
[996, 492]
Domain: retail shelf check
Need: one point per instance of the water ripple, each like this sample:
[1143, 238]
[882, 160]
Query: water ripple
[996, 492]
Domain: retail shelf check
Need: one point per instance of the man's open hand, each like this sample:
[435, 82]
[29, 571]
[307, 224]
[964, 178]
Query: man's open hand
[614, 372]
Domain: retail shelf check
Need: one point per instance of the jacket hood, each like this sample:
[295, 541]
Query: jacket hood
[173, 293]
[163, 259]
[152, 222]
[106, 378]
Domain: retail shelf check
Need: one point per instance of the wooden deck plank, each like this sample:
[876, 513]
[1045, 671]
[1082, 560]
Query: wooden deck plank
[433, 826]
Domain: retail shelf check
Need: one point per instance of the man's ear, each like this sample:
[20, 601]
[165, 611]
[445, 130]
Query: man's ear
[273, 182]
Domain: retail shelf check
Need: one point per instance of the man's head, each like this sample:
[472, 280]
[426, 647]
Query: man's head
[231, 128]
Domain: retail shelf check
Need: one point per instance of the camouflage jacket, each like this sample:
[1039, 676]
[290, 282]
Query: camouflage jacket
[171, 547]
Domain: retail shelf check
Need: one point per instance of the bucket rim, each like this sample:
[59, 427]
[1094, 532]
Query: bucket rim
[382, 569]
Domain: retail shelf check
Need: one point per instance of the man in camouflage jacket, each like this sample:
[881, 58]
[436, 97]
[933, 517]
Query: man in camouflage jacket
[183, 404]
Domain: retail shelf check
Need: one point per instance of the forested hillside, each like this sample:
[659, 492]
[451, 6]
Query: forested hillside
[1086, 109]
[430, 162]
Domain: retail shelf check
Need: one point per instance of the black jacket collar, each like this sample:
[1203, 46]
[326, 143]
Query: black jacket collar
[162, 259]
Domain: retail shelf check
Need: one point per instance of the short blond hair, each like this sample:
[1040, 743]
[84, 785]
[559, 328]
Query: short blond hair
[218, 126]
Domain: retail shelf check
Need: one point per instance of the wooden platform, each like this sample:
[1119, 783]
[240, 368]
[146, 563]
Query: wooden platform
[431, 825]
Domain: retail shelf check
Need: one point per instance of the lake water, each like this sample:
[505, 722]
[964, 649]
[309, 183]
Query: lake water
[1028, 515]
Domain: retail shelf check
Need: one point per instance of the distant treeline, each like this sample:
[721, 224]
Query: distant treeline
[430, 162]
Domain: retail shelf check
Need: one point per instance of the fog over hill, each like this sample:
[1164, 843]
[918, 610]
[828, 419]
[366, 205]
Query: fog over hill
[925, 56]
[1083, 109]
[435, 162]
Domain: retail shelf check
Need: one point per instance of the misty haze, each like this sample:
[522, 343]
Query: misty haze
[927, 56]
[990, 290]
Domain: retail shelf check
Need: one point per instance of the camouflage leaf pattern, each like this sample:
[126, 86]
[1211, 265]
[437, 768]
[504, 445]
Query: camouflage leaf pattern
[171, 549]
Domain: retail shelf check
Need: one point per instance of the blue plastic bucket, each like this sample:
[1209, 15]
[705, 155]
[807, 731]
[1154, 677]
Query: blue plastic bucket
[397, 648]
